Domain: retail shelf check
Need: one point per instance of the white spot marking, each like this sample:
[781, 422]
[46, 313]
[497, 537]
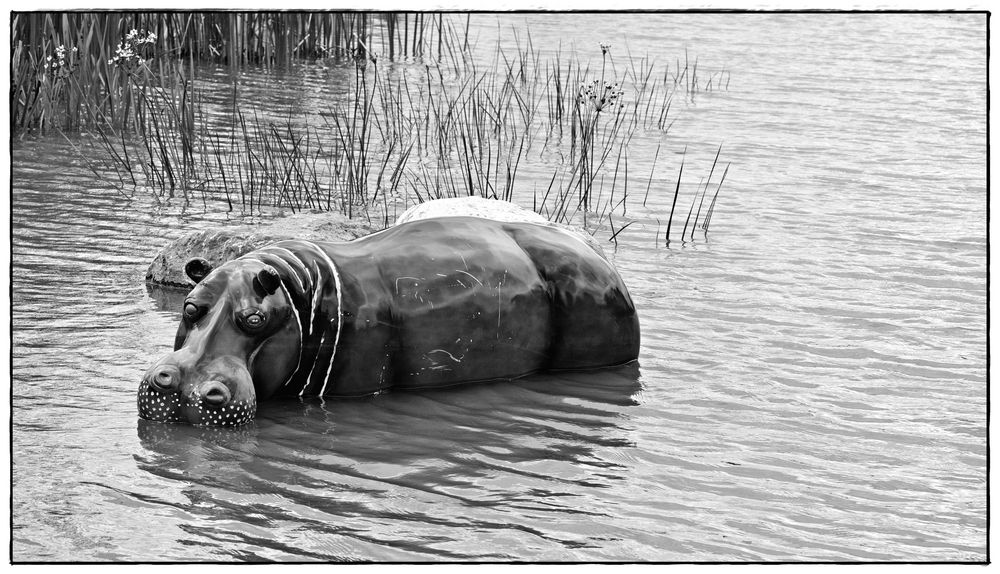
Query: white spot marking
[499, 304]
[294, 258]
[298, 322]
[471, 275]
[415, 279]
[457, 360]
[317, 293]
[313, 368]
[340, 312]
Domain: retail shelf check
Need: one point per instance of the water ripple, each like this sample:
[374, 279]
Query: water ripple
[811, 383]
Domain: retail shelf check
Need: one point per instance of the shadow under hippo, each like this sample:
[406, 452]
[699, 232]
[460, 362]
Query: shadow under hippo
[428, 303]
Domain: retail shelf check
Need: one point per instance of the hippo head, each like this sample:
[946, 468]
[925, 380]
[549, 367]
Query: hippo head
[237, 339]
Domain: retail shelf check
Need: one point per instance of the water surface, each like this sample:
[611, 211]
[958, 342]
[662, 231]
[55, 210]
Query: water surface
[811, 385]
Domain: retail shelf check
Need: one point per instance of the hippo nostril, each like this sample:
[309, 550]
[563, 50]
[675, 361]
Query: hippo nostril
[215, 393]
[164, 378]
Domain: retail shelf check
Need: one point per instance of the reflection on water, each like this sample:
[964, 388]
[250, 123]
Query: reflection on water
[371, 469]
[812, 379]
[167, 299]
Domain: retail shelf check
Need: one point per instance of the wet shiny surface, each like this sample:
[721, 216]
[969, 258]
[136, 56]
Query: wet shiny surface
[812, 378]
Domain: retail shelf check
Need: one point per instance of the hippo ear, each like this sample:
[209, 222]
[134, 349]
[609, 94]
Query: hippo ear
[267, 281]
[197, 269]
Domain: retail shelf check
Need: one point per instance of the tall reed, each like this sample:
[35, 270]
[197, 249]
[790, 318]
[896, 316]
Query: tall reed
[439, 125]
[40, 99]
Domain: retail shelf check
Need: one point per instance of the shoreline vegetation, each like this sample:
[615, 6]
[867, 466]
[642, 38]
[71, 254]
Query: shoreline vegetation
[419, 119]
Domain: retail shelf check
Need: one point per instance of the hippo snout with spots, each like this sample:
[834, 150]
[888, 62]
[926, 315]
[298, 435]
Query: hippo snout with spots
[427, 303]
[215, 399]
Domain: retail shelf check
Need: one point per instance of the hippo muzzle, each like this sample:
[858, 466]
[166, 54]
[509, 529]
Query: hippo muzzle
[218, 394]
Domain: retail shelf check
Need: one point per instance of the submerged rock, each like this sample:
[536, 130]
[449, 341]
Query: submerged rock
[496, 209]
[220, 244]
[473, 206]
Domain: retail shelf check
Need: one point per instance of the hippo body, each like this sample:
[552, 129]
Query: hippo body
[428, 303]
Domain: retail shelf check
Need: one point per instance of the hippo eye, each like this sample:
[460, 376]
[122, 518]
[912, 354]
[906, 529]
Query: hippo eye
[252, 320]
[191, 311]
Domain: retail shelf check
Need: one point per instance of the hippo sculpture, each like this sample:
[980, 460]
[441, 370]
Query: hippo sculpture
[428, 303]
